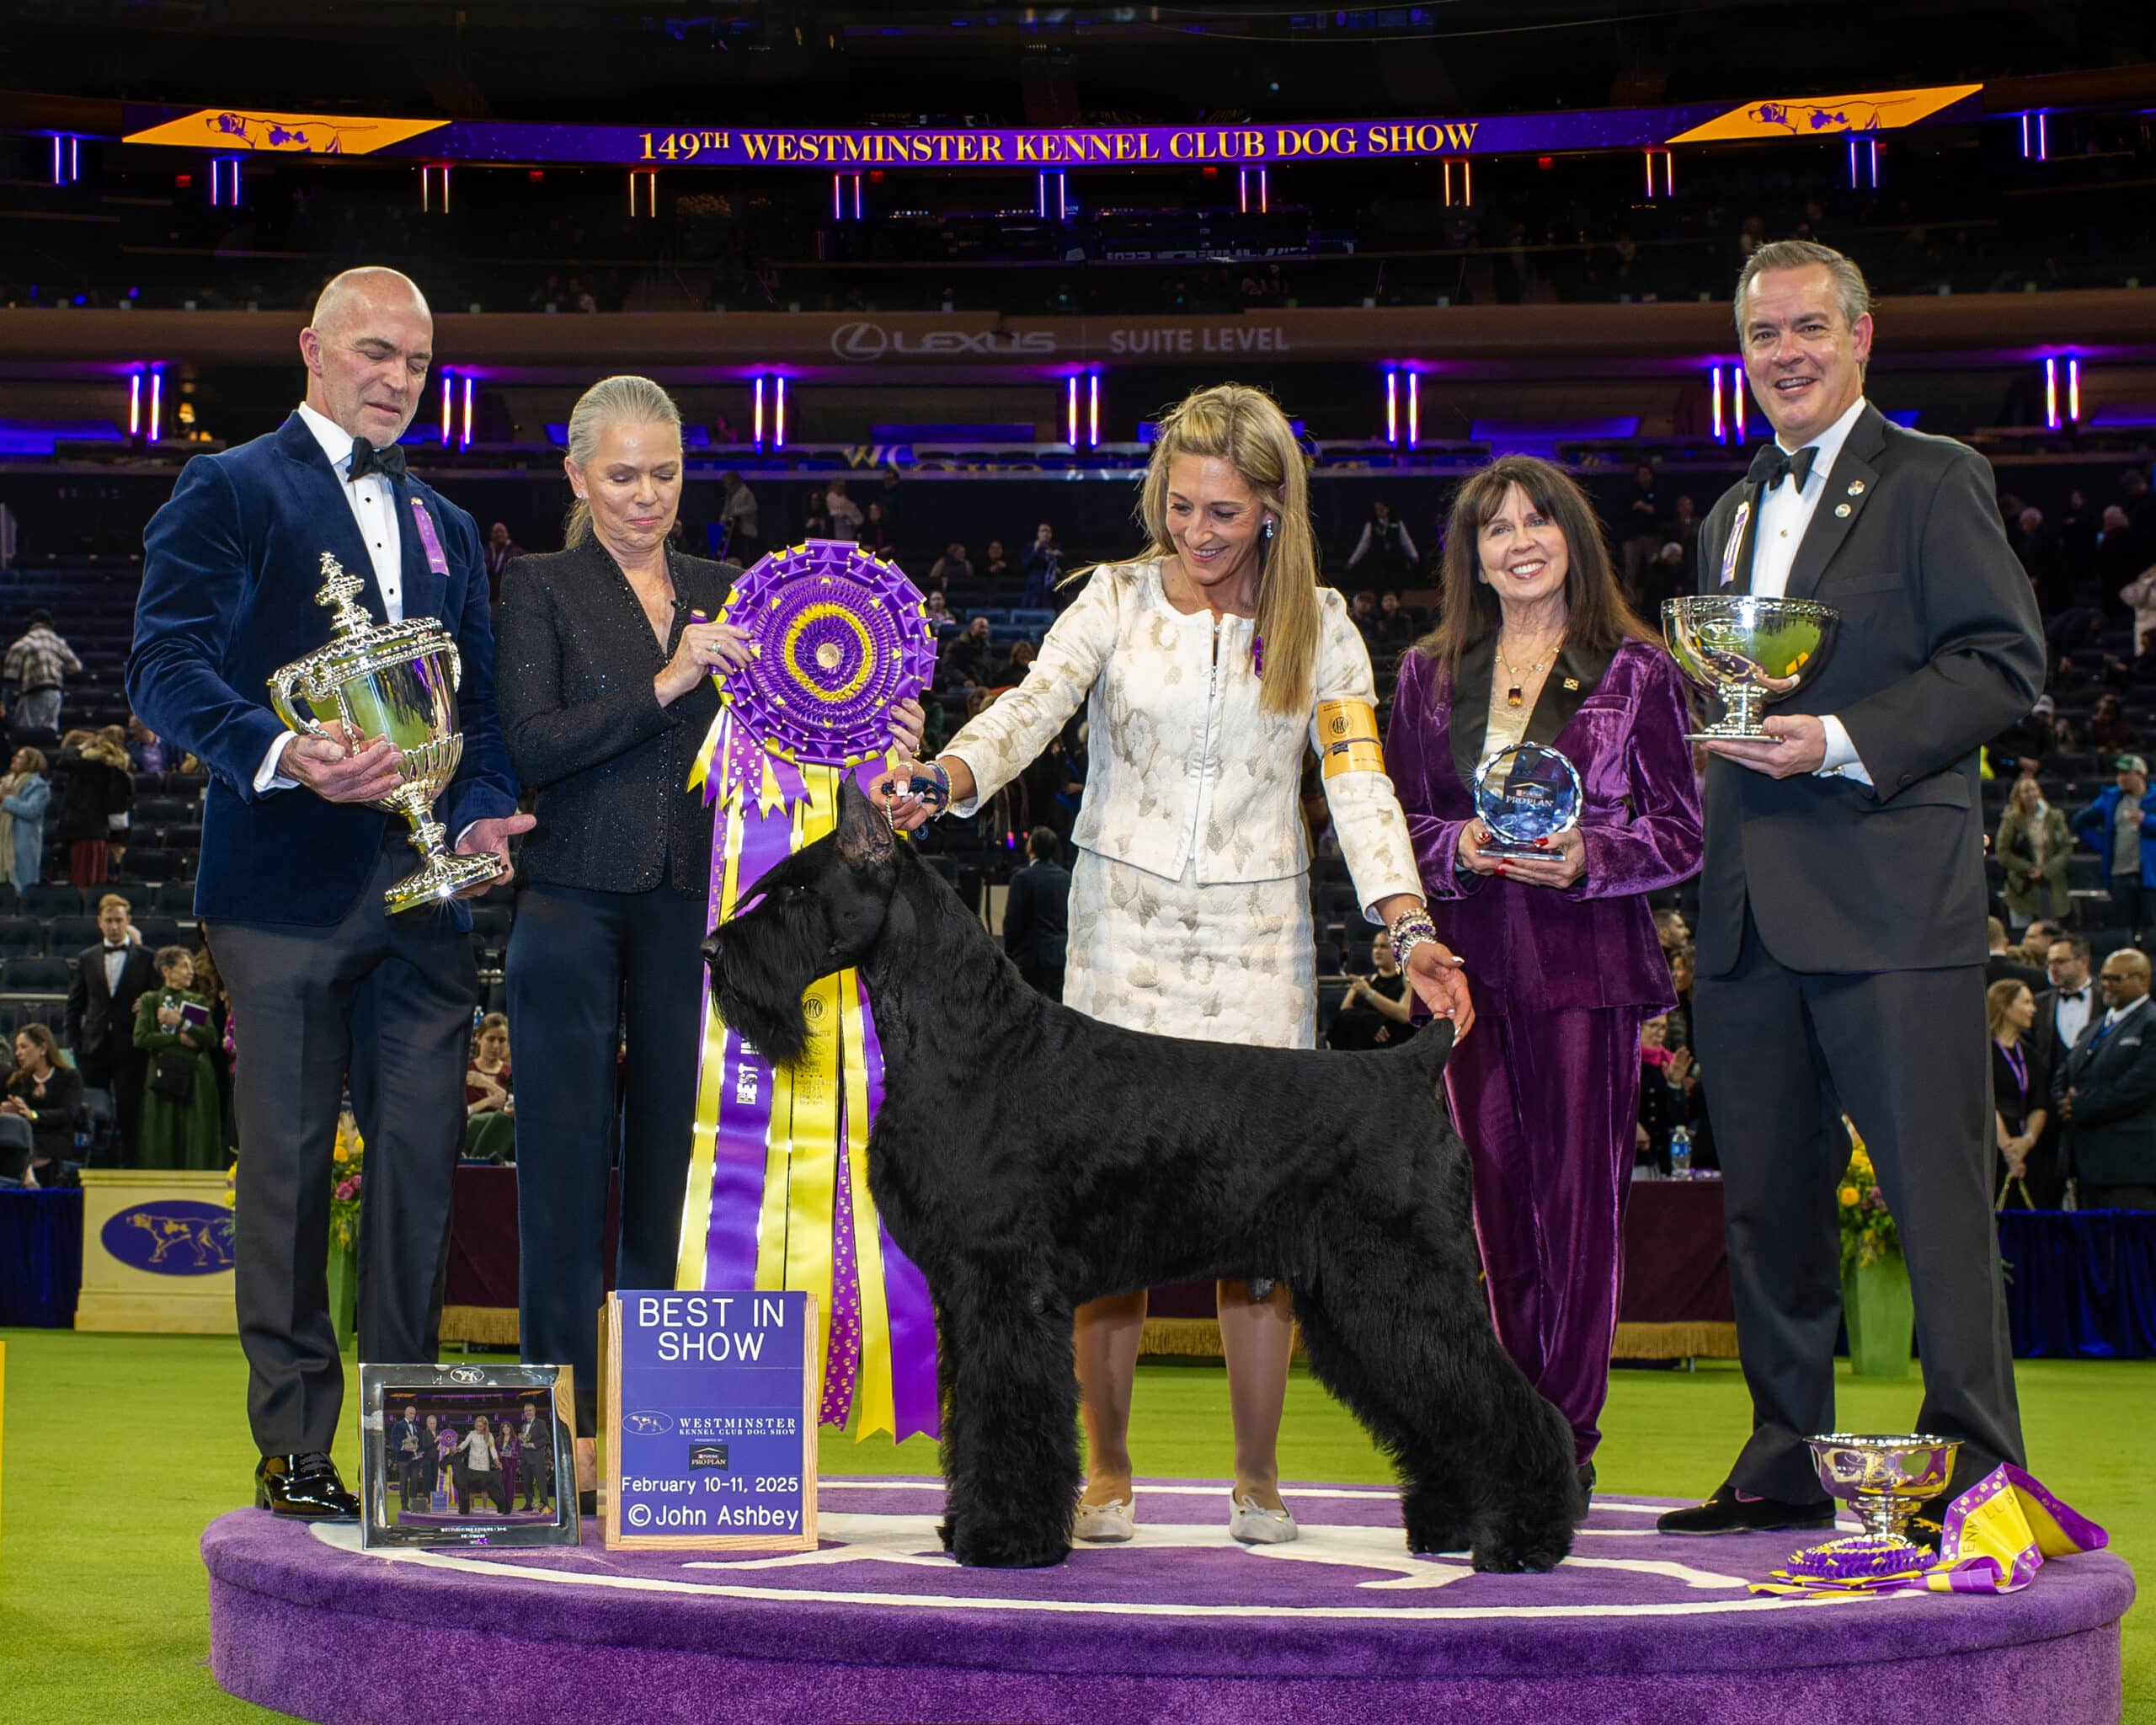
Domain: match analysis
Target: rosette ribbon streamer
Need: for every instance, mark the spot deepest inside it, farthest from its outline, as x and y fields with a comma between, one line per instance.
x=778, y=1170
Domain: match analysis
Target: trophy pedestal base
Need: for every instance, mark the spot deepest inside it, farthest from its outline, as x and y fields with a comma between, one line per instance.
x=1729, y=734
x=445, y=875
x=1503, y=848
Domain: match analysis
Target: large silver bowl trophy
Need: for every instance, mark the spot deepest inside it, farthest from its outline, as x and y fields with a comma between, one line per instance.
x=1883, y=1478
x=1750, y=649
x=397, y=681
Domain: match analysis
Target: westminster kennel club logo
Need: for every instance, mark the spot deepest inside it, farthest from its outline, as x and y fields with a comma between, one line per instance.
x=172, y=1236
x=646, y=1423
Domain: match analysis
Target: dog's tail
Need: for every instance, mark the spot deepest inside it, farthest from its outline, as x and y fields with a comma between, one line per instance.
x=1434, y=1045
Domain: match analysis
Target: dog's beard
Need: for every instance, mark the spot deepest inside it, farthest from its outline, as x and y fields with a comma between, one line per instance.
x=759, y=995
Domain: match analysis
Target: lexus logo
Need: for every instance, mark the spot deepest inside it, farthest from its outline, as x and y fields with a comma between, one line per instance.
x=859, y=342
x=862, y=342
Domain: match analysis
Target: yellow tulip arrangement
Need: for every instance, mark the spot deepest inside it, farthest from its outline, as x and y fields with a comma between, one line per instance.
x=1868, y=1230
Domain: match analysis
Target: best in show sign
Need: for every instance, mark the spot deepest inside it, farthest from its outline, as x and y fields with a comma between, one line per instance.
x=711, y=1422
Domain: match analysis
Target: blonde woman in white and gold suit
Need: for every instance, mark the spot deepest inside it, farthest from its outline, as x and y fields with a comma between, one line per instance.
x=1207, y=665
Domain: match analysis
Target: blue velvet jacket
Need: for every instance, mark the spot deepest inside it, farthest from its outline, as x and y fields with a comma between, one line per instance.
x=231, y=566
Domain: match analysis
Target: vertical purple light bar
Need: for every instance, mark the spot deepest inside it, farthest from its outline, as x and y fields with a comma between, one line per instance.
x=134, y=404
x=1093, y=410
x=157, y=403
x=1414, y=408
x=757, y=424
x=2073, y=388
x=1392, y=406
x=445, y=420
x=778, y=420
x=856, y=197
x=1738, y=397
x=1264, y=193
x=1070, y=410
x=2051, y=395
x=1714, y=373
x=464, y=440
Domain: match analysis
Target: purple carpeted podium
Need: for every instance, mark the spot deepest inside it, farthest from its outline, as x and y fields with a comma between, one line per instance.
x=1179, y=1627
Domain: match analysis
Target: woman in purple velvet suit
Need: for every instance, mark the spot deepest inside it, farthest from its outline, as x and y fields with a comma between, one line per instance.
x=1538, y=645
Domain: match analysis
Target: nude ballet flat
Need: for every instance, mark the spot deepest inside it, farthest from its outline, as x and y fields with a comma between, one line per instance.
x=1251, y=1524
x=1105, y=1524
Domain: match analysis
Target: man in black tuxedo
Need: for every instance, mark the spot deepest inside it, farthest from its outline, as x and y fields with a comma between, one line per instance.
x=2000, y=965
x=326, y=986
x=2105, y=1093
x=110, y=978
x=1840, y=952
x=1037, y=916
x=2063, y=1011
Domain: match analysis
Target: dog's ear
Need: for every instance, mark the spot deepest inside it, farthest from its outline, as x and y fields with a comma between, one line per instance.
x=864, y=831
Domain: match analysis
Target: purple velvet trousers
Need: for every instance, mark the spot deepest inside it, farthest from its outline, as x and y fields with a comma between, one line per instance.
x=1548, y=1103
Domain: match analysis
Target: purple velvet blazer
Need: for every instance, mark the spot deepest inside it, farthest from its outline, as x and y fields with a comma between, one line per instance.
x=1620, y=719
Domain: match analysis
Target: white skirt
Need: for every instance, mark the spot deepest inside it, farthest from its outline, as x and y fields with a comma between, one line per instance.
x=1232, y=963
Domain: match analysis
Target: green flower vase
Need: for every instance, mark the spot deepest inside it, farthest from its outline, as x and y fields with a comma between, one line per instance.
x=1881, y=1315
x=344, y=1292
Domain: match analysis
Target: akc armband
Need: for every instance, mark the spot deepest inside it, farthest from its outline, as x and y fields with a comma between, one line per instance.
x=1348, y=738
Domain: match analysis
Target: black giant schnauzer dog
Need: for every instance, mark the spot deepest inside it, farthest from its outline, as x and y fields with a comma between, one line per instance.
x=1028, y=1158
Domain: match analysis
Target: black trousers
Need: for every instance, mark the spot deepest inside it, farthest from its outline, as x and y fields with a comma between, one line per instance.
x=576, y=958
x=385, y=1003
x=1906, y=1054
x=2133, y=905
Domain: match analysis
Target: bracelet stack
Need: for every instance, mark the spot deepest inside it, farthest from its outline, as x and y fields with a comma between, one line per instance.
x=1410, y=930
x=931, y=784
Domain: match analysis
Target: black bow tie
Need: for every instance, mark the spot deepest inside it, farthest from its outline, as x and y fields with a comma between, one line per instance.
x=121, y=947
x=1771, y=466
x=2073, y=994
x=367, y=459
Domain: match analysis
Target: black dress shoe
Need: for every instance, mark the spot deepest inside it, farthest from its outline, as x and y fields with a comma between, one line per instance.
x=1586, y=1489
x=306, y=1486
x=1726, y=1512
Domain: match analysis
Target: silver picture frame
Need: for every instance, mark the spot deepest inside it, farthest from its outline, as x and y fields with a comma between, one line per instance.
x=428, y=1487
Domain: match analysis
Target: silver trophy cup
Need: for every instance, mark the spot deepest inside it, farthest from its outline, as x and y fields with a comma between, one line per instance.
x=1750, y=649
x=397, y=681
x=1883, y=1478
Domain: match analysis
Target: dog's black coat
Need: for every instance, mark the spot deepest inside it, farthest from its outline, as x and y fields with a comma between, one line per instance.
x=1028, y=1158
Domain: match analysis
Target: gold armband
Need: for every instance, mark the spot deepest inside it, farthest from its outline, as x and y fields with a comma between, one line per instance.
x=1347, y=737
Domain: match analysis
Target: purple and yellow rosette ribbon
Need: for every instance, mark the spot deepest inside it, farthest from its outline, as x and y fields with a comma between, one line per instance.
x=778, y=1170
x=1994, y=1539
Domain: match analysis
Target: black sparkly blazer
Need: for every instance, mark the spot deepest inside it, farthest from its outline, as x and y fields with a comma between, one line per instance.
x=575, y=657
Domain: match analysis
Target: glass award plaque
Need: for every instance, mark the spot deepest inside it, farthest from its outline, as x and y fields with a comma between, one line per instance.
x=1524, y=794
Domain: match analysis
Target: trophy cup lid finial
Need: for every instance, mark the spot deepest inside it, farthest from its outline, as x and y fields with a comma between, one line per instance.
x=343, y=591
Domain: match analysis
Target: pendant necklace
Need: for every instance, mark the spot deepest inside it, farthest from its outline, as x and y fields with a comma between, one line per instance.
x=1516, y=690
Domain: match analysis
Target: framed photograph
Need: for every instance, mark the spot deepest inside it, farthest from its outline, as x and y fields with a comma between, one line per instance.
x=467, y=1455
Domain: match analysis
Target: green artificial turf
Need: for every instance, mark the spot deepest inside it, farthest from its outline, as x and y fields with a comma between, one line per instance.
x=118, y=1449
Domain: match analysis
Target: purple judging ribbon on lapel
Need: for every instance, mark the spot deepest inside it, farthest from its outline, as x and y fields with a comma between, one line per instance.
x=429, y=539
x=1736, y=541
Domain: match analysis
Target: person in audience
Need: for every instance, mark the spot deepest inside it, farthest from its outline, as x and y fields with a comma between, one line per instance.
x=1362, y=612
x=87, y=775
x=2000, y=965
x=1664, y=1100
x=1384, y=543
x=970, y=661
x=845, y=513
x=816, y=523
x=995, y=566
x=295, y=860
x=1670, y=931
x=2020, y=1089
x=950, y=567
x=2116, y=826
x=2139, y=595
x=1043, y=567
x=937, y=613
x=490, y=1102
x=110, y=979
x=1677, y=1026
x=1396, y=627
x=1376, y=1012
x=1163, y=903
x=876, y=530
x=24, y=793
x=607, y=651
x=120, y=798
x=1843, y=893
x=1536, y=644
x=501, y=551
x=1015, y=663
x=745, y=541
x=34, y=673
x=1036, y=914
x=2108, y=730
x=2032, y=846
x=182, y=1125
x=2105, y=1092
x=49, y=1095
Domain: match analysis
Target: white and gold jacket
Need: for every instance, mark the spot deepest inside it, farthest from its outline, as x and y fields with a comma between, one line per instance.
x=1183, y=762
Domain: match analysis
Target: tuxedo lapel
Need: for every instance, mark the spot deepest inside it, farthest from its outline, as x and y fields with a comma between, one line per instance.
x=329, y=512
x=1572, y=680
x=1467, y=720
x=1853, y=483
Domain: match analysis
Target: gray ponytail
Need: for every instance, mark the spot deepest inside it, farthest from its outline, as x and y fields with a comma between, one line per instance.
x=611, y=401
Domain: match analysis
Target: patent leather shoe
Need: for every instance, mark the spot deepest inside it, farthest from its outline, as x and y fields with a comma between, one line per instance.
x=306, y=1486
x=1727, y=1512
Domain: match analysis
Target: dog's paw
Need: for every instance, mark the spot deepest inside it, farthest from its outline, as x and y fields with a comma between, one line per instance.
x=1438, y=1541
x=1510, y=1553
x=1008, y=1548
x=947, y=1533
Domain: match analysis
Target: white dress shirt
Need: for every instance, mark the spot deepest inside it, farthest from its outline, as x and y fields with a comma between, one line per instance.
x=1785, y=512
x=115, y=961
x=2112, y=1018
x=2070, y=1018
x=373, y=500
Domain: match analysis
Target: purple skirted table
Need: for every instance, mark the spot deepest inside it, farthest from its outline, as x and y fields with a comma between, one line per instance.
x=1180, y=1626
x=479, y=1299
x=40, y=1257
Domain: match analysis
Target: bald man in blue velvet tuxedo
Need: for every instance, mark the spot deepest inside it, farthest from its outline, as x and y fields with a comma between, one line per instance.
x=326, y=987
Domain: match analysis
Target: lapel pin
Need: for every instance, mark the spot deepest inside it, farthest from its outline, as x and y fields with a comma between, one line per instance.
x=1571, y=682
x=1841, y=509
x=1856, y=487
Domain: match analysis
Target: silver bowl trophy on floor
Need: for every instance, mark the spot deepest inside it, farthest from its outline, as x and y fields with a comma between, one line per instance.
x=1750, y=649
x=397, y=681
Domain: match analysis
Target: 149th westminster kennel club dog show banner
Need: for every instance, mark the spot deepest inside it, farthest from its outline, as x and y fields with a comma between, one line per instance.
x=778, y=1174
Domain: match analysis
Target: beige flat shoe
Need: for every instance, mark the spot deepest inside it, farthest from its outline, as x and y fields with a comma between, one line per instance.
x=1105, y=1524
x=1251, y=1524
